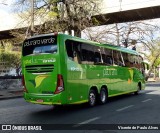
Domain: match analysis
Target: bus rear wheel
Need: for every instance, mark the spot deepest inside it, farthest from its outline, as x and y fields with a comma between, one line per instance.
x=103, y=96
x=138, y=89
x=92, y=98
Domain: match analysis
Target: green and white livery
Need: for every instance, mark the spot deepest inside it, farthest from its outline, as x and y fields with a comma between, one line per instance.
x=60, y=69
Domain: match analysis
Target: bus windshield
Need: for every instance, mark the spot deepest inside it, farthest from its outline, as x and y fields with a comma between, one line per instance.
x=41, y=45
x=45, y=49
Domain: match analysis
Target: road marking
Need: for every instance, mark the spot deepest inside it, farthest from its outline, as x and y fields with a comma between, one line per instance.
x=146, y=100
x=121, y=109
x=153, y=92
x=87, y=121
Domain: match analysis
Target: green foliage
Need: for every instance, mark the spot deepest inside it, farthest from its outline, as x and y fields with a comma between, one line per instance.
x=157, y=62
x=52, y=14
x=60, y=15
x=12, y=59
x=95, y=21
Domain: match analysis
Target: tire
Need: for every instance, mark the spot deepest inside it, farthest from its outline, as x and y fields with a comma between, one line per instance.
x=92, y=98
x=103, y=96
x=138, y=90
x=55, y=107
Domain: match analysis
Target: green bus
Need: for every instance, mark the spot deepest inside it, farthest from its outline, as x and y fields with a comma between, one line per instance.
x=60, y=69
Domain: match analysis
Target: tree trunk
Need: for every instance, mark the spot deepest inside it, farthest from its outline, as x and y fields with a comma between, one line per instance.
x=77, y=32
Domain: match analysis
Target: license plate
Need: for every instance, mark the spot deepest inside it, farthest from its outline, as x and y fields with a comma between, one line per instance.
x=40, y=100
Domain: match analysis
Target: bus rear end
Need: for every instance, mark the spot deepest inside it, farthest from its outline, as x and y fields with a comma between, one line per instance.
x=42, y=81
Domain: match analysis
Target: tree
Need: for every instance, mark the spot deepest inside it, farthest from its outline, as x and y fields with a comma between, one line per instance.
x=61, y=15
x=9, y=56
x=54, y=15
x=68, y=15
x=124, y=34
x=140, y=33
x=153, y=54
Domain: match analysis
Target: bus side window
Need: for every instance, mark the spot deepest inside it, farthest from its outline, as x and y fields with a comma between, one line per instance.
x=97, y=58
x=117, y=58
x=69, y=49
x=76, y=55
x=87, y=53
x=84, y=54
x=130, y=60
x=73, y=51
x=107, y=57
x=109, y=60
x=127, y=63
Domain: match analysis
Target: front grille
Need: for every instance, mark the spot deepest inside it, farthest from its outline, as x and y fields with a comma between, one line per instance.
x=39, y=68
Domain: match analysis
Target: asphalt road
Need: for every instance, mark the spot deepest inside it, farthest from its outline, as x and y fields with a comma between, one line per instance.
x=128, y=109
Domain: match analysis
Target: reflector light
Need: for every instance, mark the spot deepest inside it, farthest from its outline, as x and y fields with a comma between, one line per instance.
x=60, y=84
x=23, y=83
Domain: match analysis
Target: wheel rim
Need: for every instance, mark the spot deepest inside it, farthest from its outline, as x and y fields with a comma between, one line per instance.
x=92, y=98
x=103, y=96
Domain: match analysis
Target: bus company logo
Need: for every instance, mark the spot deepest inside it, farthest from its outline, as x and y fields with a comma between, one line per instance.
x=38, y=69
x=49, y=60
x=76, y=69
x=27, y=61
x=38, y=80
x=39, y=41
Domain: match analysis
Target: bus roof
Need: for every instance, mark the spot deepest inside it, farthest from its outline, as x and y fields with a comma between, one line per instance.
x=122, y=49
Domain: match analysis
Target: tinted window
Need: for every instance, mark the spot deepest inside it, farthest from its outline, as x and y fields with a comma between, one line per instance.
x=40, y=45
x=45, y=49
x=73, y=50
x=85, y=53
x=117, y=58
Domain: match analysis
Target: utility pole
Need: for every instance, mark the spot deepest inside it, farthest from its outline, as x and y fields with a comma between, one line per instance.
x=120, y=5
x=32, y=17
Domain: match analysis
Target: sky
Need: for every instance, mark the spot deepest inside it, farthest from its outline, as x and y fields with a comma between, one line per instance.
x=7, y=20
x=6, y=5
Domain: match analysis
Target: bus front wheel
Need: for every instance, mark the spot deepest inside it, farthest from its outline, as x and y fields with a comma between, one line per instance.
x=92, y=97
x=103, y=96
